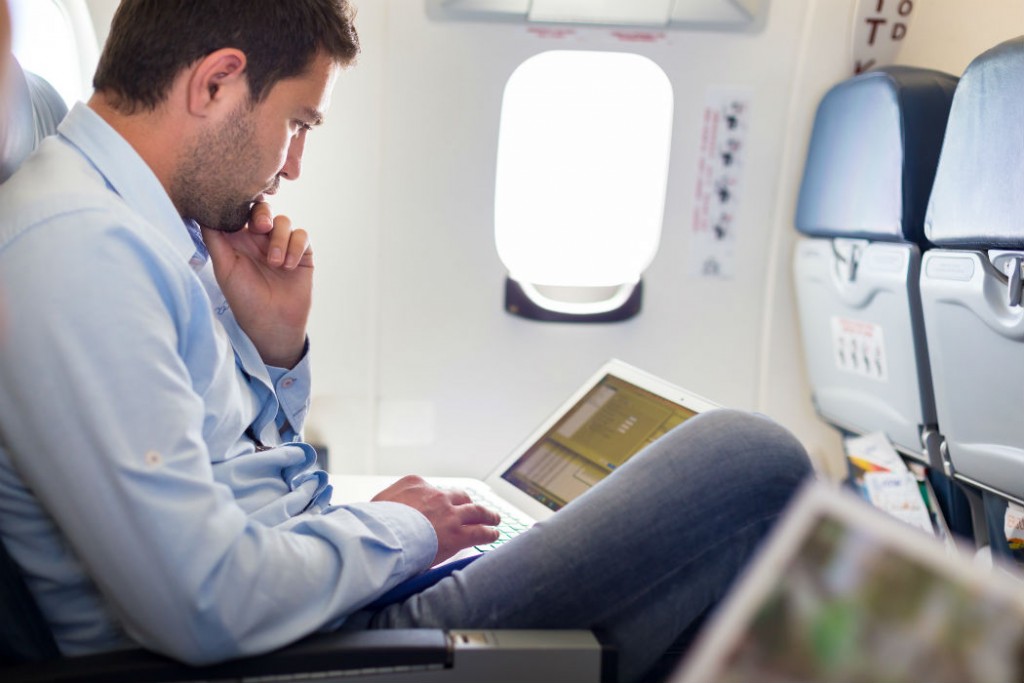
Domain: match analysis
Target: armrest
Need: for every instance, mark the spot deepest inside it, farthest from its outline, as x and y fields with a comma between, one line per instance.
x=384, y=656
x=342, y=652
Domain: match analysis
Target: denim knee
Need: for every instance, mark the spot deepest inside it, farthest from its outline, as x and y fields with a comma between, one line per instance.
x=747, y=455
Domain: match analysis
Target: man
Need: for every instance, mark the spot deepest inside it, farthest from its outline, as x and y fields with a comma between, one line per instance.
x=151, y=394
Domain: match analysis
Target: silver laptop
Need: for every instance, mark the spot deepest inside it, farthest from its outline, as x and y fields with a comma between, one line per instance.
x=617, y=412
x=843, y=592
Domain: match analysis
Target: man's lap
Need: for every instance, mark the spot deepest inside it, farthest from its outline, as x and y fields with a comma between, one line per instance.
x=675, y=524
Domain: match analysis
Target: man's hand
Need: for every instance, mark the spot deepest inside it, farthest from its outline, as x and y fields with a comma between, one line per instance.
x=457, y=520
x=266, y=273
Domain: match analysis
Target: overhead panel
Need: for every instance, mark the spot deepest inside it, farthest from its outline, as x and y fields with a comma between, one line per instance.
x=634, y=12
x=497, y=7
x=728, y=15
x=726, y=11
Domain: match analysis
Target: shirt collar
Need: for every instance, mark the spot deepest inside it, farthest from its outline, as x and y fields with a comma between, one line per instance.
x=126, y=174
x=201, y=255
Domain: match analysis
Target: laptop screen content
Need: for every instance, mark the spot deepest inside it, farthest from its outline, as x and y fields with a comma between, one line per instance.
x=611, y=423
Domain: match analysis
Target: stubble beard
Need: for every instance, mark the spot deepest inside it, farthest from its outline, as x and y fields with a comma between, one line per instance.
x=204, y=188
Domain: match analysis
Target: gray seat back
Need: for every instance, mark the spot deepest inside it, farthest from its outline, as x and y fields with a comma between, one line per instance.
x=971, y=281
x=31, y=111
x=870, y=165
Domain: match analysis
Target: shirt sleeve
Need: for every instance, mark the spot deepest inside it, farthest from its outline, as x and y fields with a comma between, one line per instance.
x=292, y=388
x=106, y=368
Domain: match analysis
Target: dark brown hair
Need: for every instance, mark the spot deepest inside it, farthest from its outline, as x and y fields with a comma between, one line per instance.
x=151, y=41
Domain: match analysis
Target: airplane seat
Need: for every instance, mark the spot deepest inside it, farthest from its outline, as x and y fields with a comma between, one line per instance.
x=34, y=110
x=971, y=280
x=870, y=163
x=29, y=652
x=24, y=634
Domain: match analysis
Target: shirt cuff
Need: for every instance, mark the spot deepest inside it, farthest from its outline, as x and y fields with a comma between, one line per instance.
x=293, y=388
x=414, y=532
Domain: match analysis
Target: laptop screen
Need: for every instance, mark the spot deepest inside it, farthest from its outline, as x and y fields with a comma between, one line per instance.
x=611, y=423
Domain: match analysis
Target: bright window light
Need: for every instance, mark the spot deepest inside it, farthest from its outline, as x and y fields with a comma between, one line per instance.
x=583, y=155
x=54, y=39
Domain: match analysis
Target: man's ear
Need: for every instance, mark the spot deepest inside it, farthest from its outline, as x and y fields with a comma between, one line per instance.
x=217, y=79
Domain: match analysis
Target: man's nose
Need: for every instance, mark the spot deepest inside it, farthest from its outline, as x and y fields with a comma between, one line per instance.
x=293, y=162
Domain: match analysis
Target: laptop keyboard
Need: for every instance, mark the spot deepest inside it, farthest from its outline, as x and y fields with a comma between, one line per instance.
x=512, y=523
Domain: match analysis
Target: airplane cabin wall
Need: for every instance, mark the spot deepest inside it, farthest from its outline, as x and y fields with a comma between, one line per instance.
x=417, y=366
x=425, y=371
x=428, y=373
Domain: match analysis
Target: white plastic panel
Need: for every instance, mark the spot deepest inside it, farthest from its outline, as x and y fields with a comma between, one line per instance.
x=867, y=370
x=711, y=14
x=495, y=7
x=733, y=11
x=639, y=12
x=976, y=344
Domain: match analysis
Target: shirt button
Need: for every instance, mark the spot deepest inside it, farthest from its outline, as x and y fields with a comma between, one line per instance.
x=287, y=382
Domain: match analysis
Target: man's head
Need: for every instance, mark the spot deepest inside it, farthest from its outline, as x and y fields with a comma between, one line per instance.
x=218, y=95
x=151, y=41
x=242, y=157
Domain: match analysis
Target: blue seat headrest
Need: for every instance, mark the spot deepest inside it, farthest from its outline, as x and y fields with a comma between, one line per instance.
x=978, y=196
x=873, y=153
x=34, y=109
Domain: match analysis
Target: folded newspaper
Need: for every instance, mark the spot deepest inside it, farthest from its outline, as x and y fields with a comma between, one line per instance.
x=886, y=481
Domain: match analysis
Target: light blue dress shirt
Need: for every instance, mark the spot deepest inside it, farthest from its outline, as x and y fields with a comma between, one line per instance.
x=130, y=494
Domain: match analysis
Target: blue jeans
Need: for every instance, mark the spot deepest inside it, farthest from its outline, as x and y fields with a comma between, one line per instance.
x=640, y=556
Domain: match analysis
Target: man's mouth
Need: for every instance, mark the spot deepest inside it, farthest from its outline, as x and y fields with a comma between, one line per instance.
x=271, y=189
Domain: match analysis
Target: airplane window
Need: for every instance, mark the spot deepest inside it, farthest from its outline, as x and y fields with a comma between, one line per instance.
x=583, y=156
x=55, y=39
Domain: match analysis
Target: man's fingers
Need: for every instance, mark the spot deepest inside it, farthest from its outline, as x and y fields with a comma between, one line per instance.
x=479, y=535
x=458, y=522
x=220, y=251
x=261, y=218
x=458, y=497
x=280, y=238
x=298, y=250
x=288, y=248
x=477, y=514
